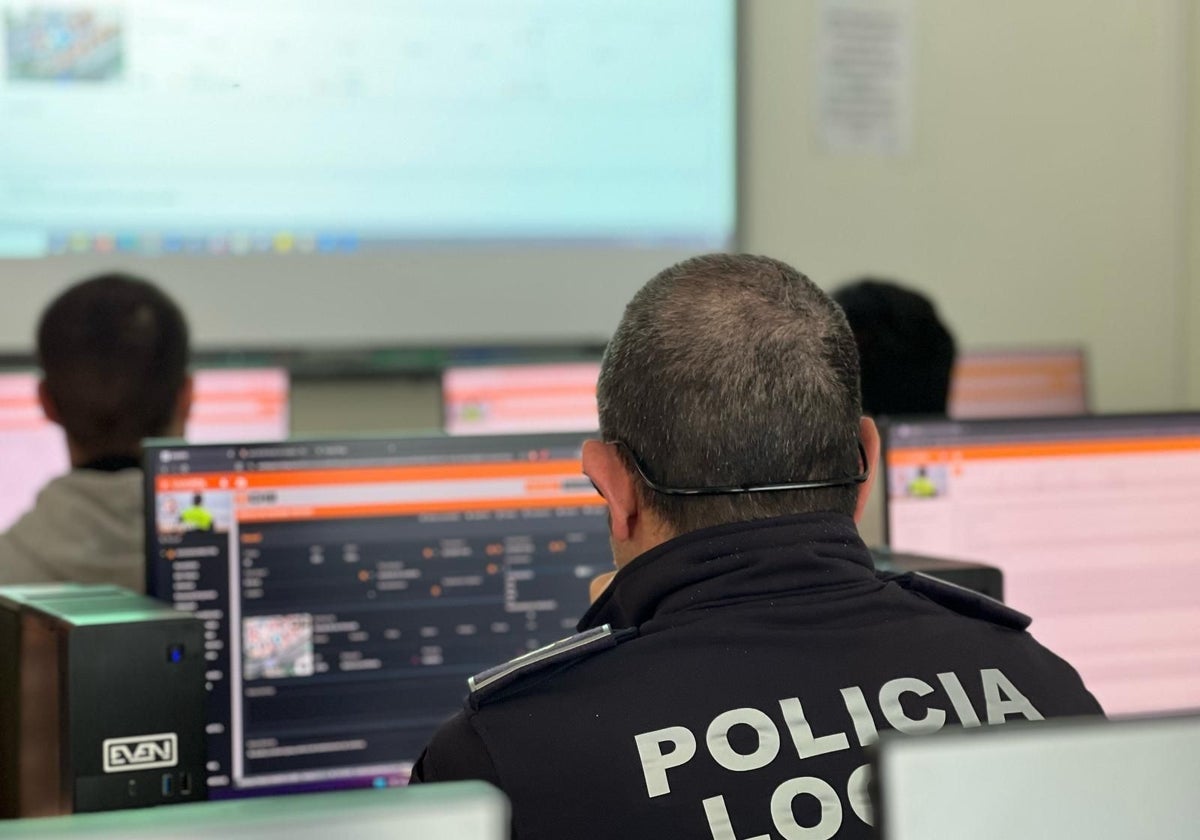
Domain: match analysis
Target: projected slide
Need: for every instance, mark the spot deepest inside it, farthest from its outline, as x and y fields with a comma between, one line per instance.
x=315, y=126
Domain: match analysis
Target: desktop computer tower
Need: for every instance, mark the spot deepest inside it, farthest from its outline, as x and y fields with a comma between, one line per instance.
x=101, y=701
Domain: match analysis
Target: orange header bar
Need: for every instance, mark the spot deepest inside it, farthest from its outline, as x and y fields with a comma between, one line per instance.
x=285, y=512
x=1050, y=449
x=1035, y=368
x=495, y=395
x=364, y=475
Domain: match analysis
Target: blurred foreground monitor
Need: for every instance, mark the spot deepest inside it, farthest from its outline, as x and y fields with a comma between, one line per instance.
x=1095, y=779
x=453, y=811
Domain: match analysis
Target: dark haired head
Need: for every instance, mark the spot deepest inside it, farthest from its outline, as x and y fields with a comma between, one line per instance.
x=114, y=357
x=731, y=370
x=907, y=353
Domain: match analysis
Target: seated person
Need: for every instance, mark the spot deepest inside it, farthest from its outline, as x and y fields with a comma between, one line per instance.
x=114, y=353
x=905, y=351
x=732, y=669
x=907, y=357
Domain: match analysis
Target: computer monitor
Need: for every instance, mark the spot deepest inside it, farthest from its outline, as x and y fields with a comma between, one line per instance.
x=233, y=404
x=1103, y=780
x=1095, y=523
x=1033, y=382
x=351, y=587
x=448, y=811
x=506, y=399
x=240, y=404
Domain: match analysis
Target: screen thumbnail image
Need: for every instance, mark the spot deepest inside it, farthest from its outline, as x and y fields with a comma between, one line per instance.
x=920, y=481
x=277, y=646
x=185, y=511
x=63, y=43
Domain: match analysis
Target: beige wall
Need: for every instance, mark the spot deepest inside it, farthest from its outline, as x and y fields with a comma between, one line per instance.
x=1046, y=197
x=366, y=405
x=1042, y=200
x=1192, y=219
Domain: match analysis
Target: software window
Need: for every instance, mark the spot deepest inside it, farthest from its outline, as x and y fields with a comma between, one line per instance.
x=1094, y=524
x=350, y=588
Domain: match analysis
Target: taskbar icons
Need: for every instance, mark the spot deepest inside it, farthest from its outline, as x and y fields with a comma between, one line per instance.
x=78, y=243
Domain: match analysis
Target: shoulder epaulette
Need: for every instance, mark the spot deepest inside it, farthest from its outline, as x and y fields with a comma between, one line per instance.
x=961, y=600
x=487, y=684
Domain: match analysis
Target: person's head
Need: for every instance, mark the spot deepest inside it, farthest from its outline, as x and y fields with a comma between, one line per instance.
x=114, y=355
x=197, y=500
x=727, y=370
x=907, y=353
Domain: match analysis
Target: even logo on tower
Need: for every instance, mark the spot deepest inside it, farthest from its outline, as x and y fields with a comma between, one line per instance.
x=141, y=752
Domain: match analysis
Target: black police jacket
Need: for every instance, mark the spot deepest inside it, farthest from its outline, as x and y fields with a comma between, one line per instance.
x=725, y=684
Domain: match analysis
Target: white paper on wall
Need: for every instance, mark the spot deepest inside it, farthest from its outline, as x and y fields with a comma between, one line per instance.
x=864, y=77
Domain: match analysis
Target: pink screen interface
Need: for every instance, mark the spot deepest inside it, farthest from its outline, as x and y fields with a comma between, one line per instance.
x=521, y=398
x=240, y=405
x=1019, y=383
x=1098, y=537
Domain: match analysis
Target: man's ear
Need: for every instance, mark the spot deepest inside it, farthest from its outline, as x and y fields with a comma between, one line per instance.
x=869, y=435
x=49, y=407
x=602, y=463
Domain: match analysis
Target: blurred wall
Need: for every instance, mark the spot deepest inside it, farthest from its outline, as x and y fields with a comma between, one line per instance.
x=1193, y=216
x=409, y=404
x=1047, y=196
x=1043, y=198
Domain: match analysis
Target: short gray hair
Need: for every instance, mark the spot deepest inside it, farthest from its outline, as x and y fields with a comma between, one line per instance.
x=734, y=369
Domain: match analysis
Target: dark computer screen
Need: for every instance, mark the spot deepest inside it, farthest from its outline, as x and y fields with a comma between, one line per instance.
x=350, y=587
x=1093, y=521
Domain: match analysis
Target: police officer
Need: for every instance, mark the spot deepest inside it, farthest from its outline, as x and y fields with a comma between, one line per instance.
x=197, y=517
x=729, y=674
x=922, y=486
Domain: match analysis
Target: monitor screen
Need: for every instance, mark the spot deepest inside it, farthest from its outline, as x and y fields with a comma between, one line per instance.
x=520, y=398
x=228, y=405
x=1047, y=382
x=1093, y=522
x=1101, y=780
x=351, y=587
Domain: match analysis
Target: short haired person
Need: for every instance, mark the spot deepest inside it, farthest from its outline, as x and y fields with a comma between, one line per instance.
x=728, y=676
x=906, y=352
x=114, y=356
x=906, y=356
